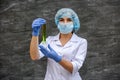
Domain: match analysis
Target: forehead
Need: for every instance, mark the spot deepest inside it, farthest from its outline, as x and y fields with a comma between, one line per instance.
x=65, y=18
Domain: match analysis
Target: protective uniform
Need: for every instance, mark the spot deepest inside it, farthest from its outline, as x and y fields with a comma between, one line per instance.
x=74, y=51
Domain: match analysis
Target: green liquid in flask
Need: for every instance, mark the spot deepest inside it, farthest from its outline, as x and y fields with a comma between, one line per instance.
x=44, y=33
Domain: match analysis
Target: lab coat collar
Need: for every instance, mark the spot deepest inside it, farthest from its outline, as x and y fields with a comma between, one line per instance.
x=74, y=38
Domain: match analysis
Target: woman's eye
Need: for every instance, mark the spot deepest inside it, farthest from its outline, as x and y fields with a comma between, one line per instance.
x=69, y=20
x=65, y=20
x=61, y=20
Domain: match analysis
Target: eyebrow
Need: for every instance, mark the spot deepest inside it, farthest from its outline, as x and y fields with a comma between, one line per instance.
x=67, y=18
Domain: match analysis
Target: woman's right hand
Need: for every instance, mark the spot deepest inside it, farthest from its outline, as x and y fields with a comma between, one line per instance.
x=36, y=25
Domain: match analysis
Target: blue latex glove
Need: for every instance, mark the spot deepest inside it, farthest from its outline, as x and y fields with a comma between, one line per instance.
x=36, y=25
x=50, y=53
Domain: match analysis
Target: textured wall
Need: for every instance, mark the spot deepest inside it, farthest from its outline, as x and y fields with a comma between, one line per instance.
x=100, y=25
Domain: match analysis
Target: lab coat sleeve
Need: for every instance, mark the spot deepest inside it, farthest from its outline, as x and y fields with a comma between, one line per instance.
x=40, y=53
x=79, y=58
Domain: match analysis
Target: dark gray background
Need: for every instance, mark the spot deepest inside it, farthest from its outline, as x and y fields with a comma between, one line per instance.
x=100, y=25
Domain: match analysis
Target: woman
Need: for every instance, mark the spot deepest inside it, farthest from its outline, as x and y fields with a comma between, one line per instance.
x=65, y=52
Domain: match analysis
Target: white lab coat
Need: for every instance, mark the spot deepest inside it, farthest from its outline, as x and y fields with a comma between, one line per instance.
x=74, y=51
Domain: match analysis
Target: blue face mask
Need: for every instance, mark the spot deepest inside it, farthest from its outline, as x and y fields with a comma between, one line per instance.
x=65, y=28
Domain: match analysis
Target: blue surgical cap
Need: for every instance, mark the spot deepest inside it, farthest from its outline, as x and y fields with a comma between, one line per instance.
x=67, y=12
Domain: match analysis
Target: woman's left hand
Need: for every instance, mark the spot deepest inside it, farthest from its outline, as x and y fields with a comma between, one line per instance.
x=50, y=53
